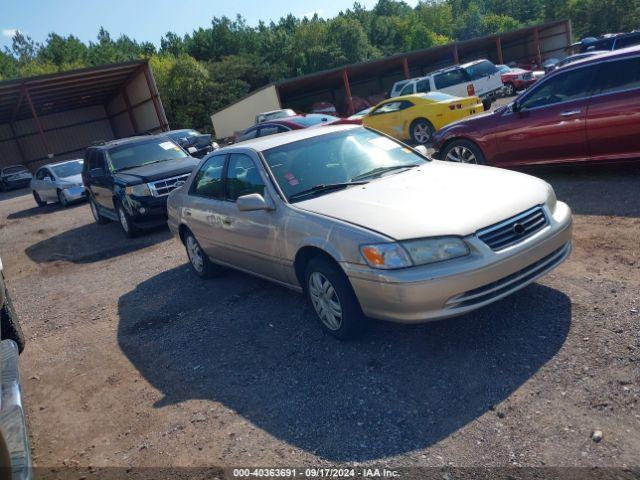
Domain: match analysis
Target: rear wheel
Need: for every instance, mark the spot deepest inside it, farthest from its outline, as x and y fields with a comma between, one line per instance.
x=421, y=131
x=62, y=198
x=198, y=260
x=9, y=325
x=330, y=293
x=39, y=201
x=99, y=219
x=463, y=151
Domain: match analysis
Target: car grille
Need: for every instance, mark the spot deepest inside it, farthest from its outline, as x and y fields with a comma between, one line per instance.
x=514, y=230
x=511, y=282
x=527, y=76
x=164, y=187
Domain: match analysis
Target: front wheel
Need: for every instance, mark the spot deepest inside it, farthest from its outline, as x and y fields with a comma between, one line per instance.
x=509, y=90
x=127, y=225
x=39, y=201
x=62, y=198
x=333, y=300
x=198, y=260
x=9, y=325
x=99, y=219
x=486, y=104
x=463, y=151
x=421, y=131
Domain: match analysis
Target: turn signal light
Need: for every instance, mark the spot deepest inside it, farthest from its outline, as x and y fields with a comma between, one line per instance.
x=470, y=90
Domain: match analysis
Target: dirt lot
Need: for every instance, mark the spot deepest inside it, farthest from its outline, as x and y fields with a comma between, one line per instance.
x=133, y=361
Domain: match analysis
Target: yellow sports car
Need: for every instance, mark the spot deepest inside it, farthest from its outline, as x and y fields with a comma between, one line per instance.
x=418, y=116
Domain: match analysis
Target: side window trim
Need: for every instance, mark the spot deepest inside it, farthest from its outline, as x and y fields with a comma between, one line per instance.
x=597, y=92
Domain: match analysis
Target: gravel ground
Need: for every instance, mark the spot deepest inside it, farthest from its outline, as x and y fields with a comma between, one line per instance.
x=133, y=361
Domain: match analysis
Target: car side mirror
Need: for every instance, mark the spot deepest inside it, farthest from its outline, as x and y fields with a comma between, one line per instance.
x=97, y=172
x=422, y=150
x=252, y=202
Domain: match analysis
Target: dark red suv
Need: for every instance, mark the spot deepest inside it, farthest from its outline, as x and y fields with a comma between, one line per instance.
x=587, y=111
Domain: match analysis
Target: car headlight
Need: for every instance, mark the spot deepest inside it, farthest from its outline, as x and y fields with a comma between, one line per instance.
x=414, y=252
x=141, y=190
x=385, y=255
x=431, y=250
x=551, y=198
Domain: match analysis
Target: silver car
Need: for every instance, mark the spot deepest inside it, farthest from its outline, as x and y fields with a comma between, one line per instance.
x=368, y=227
x=59, y=182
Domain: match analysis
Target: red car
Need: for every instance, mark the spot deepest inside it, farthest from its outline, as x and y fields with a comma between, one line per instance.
x=515, y=79
x=586, y=111
x=296, y=122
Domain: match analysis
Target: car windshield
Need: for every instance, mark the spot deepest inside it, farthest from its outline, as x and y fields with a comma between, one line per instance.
x=68, y=169
x=337, y=157
x=143, y=153
x=16, y=169
x=504, y=69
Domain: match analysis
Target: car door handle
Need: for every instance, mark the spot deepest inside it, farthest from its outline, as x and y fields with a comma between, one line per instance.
x=187, y=212
x=569, y=113
x=226, y=221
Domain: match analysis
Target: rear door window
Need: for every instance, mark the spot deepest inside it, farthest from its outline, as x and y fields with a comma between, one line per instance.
x=243, y=177
x=449, y=78
x=269, y=130
x=629, y=41
x=618, y=76
x=423, y=86
x=392, y=107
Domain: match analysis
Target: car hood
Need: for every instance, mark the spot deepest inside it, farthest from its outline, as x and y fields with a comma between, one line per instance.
x=158, y=171
x=75, y=179
x=438, y=198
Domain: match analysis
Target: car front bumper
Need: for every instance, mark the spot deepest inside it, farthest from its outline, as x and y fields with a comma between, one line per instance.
x=75, y=194
x=455, y=287
x=147, y=212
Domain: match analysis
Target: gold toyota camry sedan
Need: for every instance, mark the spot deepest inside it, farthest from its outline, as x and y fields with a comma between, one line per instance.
x=368, y=227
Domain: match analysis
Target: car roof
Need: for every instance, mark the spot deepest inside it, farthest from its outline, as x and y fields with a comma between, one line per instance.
x=261, y=144
x=606, y=55
x=12, y=166
x=132, y=140
x=55, y=164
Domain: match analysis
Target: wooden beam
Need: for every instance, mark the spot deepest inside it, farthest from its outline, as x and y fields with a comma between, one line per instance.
x=47, y=149
x=132, y=117
x=536, y=40
x=17, y=107
x=456, y=58
x=405, y=68
x=499, y=49
x=347, y=91
x=164, y=126
x=15, y=138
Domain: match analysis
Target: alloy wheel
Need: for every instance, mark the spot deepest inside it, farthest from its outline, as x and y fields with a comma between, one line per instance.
x=422, y=133
x=62, y=199
x=123, y=220
x=325, y=301
x=461, y=155
x=195, y=254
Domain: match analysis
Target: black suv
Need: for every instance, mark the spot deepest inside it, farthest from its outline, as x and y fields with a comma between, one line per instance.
x=128, y=180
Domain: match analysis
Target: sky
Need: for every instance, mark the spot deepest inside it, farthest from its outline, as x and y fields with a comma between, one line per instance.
x=146, y=20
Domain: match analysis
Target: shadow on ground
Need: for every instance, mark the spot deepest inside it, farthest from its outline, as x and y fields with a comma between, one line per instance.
x=9, y=194
x=256, y=348
x=93, y=243
x=47, y=209
x=596, y=190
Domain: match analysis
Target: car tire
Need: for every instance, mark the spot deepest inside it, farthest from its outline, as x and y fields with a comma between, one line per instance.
x=421, y=131
x=39, y=201
x=463, y=151
x=486, y=104
x=333, y=300
x=509, y=89
x=124, y=219
x=198, y=260
x=9, y=324
x=62, y=199
x=99, y=219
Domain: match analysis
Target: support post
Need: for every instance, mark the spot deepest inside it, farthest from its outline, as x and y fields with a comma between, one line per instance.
x=127, y=103
x=536, y=40
x=347, y=91
x=499, y=48
x=23, y=159
x=164, y=126
x=405, y=68
x=47, y=150
x=456, y=58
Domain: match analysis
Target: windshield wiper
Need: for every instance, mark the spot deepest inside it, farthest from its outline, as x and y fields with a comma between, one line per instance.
x=381, y=170
x=323, y=187
x=144, y=164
